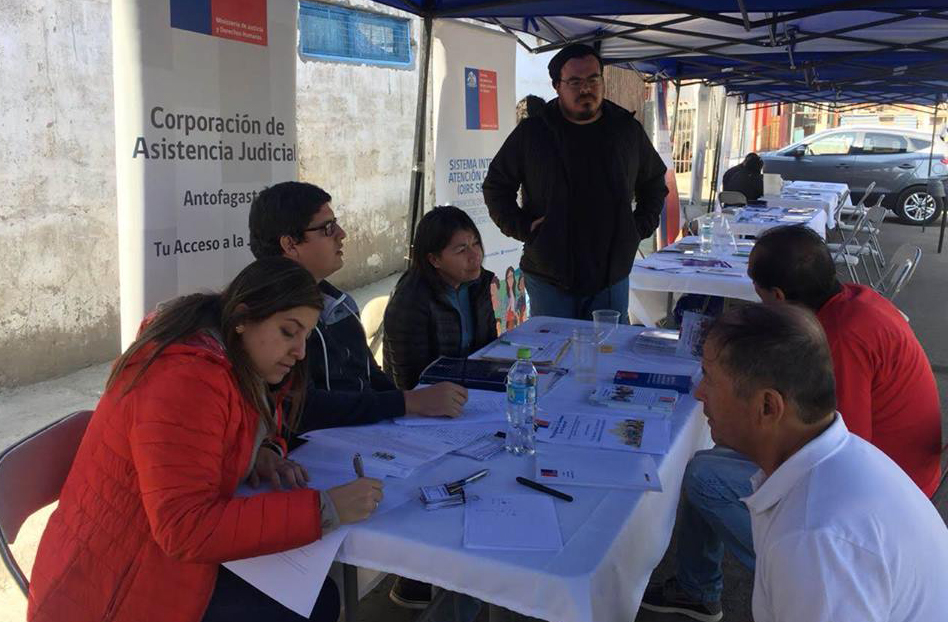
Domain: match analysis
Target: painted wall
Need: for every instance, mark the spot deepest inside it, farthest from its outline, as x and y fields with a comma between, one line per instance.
x=58, y=268
x=356, y=127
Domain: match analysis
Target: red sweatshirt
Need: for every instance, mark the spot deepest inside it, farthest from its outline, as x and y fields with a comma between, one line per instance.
x=885, y=388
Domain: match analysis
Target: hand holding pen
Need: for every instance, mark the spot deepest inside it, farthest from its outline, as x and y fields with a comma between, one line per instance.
x=357, y=500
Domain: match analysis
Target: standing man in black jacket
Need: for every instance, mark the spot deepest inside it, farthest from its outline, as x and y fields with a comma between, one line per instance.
x=345, y=385
x=580, y=164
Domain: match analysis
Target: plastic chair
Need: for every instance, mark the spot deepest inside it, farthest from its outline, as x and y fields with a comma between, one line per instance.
x=32, y=473
x=902, y=266
x=732, y=197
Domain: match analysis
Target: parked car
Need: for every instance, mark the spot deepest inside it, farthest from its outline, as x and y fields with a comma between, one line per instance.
x=895, y=158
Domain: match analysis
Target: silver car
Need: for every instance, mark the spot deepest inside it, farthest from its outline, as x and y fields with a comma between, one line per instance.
x=896, y=159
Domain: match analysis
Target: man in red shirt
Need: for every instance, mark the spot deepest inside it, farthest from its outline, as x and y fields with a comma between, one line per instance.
x=885, y=392
x=885, y=388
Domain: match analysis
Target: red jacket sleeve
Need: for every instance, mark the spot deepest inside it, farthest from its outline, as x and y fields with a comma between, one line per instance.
x=854, y=369
x=182, y=419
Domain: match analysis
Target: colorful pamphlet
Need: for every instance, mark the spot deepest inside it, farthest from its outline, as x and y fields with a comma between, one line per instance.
x=679, y=383
x=641, y=399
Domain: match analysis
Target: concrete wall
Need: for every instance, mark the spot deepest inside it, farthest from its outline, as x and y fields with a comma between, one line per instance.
x=356, y=127
x=58, y=267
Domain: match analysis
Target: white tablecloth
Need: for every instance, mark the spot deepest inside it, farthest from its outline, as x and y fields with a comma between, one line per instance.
x=649, y=289
x=612, y=539
x=817, y=221
x=824, y=201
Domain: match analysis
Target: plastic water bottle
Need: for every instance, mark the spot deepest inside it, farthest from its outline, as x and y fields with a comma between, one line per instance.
x=521, y=405
x=705, y=234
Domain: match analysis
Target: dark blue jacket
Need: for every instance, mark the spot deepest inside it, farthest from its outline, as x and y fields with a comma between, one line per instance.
x=345, y=386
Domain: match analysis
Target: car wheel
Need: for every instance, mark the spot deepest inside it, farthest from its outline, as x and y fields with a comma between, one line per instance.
x=916, y=207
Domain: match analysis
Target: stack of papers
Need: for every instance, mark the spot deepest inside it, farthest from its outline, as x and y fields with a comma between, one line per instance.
x=481, y=407
x=575, y=466
x=545, y=348
x=524, y=522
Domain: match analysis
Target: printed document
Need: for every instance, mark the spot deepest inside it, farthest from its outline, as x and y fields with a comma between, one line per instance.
x=516, y=522
x=482, y=406
x=560, y=465
x=650, y=435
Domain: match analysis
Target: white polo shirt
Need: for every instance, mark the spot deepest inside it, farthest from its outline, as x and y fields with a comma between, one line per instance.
x=843, y=535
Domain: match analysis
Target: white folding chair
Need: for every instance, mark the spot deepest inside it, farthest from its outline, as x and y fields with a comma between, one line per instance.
x=32, y=473
x=865, y=243
x=838, y=212
x=732, y=198
x=841, y=253
x=847, y=211
x=902, y=266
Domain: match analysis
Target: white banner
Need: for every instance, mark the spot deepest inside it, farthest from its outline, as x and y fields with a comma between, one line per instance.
x=205, y=117
x=473, y=71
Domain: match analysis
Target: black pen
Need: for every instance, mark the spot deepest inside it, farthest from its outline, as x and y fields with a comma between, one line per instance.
x=529, y=483
x=461, y=483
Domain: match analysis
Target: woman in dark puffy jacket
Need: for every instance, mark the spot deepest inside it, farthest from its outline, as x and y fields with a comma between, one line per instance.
x=442, y=305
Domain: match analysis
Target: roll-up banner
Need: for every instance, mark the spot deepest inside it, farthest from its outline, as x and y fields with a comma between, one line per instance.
x=474, y=110
x=205, y=105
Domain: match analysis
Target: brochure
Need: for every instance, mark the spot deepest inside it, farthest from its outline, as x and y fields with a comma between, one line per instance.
x=626, y=397
x=650, y=435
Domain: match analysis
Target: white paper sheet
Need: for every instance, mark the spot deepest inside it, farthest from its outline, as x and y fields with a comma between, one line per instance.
x=481, y=407
x=388, y=448
x=294, y=578
x=580, y=466
x=516, y=522
x=628, y=433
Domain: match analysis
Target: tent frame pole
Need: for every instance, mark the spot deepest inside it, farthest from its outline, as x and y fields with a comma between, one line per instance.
x=717, y=154
x=417, y=188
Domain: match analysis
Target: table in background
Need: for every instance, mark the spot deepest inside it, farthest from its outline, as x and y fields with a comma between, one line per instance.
x=613, y=539
x=754, y=228
x=649, y=289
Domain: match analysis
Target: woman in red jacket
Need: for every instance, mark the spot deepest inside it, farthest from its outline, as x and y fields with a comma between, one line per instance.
x=148, y=513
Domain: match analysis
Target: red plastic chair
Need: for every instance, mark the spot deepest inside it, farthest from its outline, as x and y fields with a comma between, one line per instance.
x=32, y=473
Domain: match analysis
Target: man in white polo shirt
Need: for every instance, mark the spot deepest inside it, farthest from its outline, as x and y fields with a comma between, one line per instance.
x=840, y=531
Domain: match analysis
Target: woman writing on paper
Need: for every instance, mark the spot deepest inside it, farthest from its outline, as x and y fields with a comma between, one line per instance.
x=442, y=305
x=192, y=408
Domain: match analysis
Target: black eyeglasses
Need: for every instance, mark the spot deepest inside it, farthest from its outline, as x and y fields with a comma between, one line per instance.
x=578, y=83
x=328, y=228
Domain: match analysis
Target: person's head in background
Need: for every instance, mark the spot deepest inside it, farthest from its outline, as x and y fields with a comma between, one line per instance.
x=767, y=385
x=792, y=263
x=576, y=72
x=529, y=106
x=295, y=219
x=447, y=249
x=262, y=318
x=753, y=163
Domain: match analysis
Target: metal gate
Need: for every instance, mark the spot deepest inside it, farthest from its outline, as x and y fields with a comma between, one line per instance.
x=684, y=134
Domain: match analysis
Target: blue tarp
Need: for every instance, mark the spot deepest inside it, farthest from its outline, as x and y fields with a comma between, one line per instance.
x=547, y=8
x=803, y=46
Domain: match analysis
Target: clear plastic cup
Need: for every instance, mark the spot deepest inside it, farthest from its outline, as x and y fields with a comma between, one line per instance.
x=585, y=355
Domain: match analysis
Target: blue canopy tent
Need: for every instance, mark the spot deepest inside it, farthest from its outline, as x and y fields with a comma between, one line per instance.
x=845, y=53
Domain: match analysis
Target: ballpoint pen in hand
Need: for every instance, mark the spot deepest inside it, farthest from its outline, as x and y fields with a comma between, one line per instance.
x=357, y=465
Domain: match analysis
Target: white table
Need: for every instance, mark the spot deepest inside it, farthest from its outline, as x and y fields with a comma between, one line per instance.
x=649, y=289
x=824, y=201
x=613, y=539
x=745, y=223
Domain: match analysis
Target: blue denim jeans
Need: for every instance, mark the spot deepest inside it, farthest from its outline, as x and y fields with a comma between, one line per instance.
x=548, y=299
x=713, y=517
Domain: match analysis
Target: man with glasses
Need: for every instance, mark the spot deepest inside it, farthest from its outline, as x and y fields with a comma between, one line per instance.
x=580, y=165
x=346, y=385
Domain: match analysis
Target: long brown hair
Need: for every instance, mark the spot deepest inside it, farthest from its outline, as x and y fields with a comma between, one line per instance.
x=267, y=286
